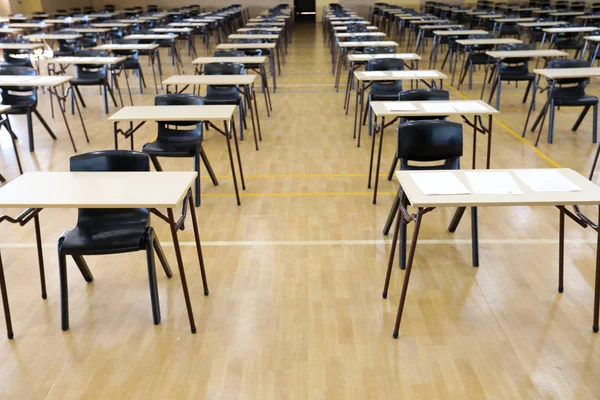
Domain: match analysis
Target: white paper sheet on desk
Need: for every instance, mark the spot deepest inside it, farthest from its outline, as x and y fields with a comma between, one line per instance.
x=468, y=106
x=399, y=106
x=484, y=182
x=361, y=56
x=403, y=74
x=426, y=74
x=373, y=74
x=546, y=180
x=438, y=108
x=439, y=183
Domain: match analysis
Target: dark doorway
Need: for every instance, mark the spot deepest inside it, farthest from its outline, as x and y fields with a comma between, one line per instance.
x=305, y=10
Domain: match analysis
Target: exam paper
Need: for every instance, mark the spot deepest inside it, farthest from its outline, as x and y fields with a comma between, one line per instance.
x=438, y=108
x=492, y=182
x=426, y=74
x=468, y=106
x=439, y=183
x=399, y=106
x=403, y=74
x=373, y=74
x=546, y=180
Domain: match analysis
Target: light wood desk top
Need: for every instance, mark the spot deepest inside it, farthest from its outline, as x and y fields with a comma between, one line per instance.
x=86, y=60
x=186, y=24
x=96, y=190
x=381, y=110
x=69, y=20
x=54, y=36
x=400, y=75
x=273, y=24
x=358, y=34
x=132, y=21
x=243, y=80
x=460, y=33
x=558, y=73
x=567, y=14
x=4, y=109
x=345, y=28
x=236, y=36
x=509, y=20
x=588, y=16
x=569, y=29
x=473, y=12
x=30, y=25
x=350, y=23
x=544, y=11
x=367, y=57
x=471, y=42
x=592, y=38
x=11, y=30
x=430, y=21
x=111, y=47
x=112, y=25
x=526, y=53
x=439, y=27
x=103, y=15
x=34, y=81
x=369, y=44
x=172, y=30
x=20, y=46
x=166, y=36
x=416, y=17
x=233, y=46
x=152, y=17
x=90, y=30
x=540, y=24
x=589, y=194
x=174, y=113
x=261, y=29
x=490, y=16
x=241, y=60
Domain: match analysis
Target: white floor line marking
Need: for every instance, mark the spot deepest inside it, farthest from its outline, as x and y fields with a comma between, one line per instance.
x=283, y=243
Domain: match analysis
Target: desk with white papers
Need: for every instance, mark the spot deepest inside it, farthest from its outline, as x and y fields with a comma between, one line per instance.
x=539, y=187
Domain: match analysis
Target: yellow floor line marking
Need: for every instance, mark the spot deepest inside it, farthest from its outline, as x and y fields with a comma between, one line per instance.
x=540, y=153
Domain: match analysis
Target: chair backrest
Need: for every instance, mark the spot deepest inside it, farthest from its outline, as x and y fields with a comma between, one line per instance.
x=430, y=141
x=379, y=50
x=108, y=161
x=222, y=68
x=22, y=92
x=19, y=57
x=90, y=71
x=385, y=64
x=191, y=136
x=573, y=87
x=229, y=53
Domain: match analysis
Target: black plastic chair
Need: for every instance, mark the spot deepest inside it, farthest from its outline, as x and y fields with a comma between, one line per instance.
x=23, y=100
x=16, y=57
x=91, y=75
x=180, y=142
x=570, y=93
x=219, y=94
x=421, y=143
x=512, y=70
x=418, y=95
x=475, y=56
x=383, y=91
x=132, y=63
x=102, y=231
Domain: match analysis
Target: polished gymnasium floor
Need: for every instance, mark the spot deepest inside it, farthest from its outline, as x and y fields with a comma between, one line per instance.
x=296, y=274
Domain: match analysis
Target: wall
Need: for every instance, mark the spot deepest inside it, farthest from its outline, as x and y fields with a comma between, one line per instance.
x=53, y=5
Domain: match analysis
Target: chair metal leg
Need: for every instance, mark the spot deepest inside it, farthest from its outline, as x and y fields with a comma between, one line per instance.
x=580, y=118
x=392, y=168
x=5, y=305
x=38, y=241
x=64, y=290
x=162, y=257
x=551, y=122
x=44, y=123
x=197, y=180
x=30, y=132
x=155, y=162
x=474, y=237
x=154, y=299
x=83, y=267
x=208, y=167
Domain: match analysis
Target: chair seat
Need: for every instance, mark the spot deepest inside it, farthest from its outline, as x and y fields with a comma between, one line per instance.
x=479, y=58
x=224, y=99
x=172, y=149
x=385, y=95
x=87, y=81
x=130, y=63
x=113, y=236
x=575, y=101
x=516, y=76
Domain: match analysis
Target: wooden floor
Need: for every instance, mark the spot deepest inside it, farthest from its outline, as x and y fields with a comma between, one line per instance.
x=296, y=274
